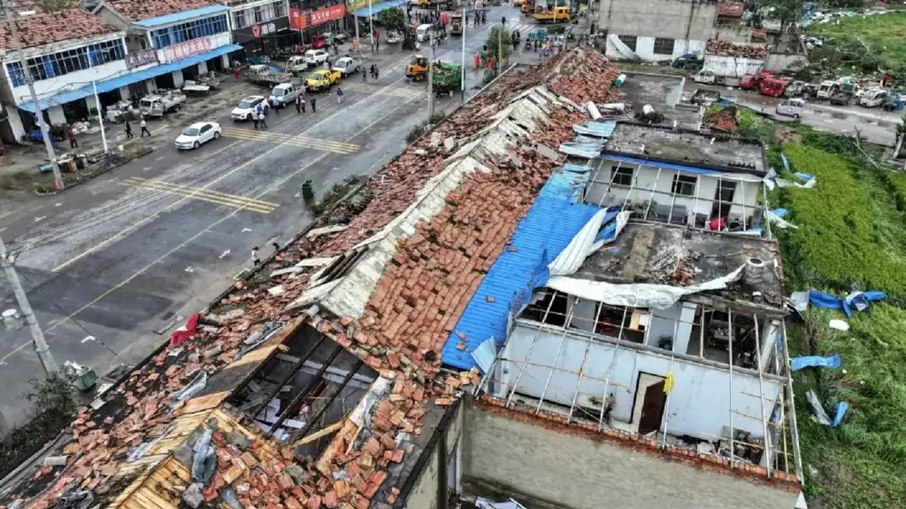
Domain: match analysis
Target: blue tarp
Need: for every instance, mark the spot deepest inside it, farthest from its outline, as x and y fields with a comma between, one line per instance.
x=661, y=164
x=858, y=301
x=831, y=361
x=786, y=162
x=181, y=16
x=547, y=228
x=130, y=78
x=378, y=7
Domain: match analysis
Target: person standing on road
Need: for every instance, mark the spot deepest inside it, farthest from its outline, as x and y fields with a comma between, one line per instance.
x=299, y=100
x=262, y=118
x=255, y=119
x=129, y=134
x=377, y=73
x=72, y=139
x=255, y=260
x=364, y=76
x=371, y=71
x=339, y=95
x=144, y=126
x=314, y=104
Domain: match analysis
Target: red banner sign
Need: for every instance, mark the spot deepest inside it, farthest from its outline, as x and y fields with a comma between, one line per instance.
x=297, y=19
x=328, y=14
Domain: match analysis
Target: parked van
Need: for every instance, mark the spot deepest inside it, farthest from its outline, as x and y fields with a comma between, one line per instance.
x=423, y=32
x=791, y=107
x=283, y=95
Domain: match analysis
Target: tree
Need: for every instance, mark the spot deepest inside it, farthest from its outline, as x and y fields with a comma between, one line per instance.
x=392, y=20
x=787, y=11
x=53, y=395
x=504, y=39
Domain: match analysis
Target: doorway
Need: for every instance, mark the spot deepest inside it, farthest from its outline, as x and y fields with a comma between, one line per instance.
x=649, y=403
x=723, y=198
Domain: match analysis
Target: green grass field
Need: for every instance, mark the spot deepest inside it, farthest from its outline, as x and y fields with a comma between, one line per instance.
x=884, y=35
x=852, y=231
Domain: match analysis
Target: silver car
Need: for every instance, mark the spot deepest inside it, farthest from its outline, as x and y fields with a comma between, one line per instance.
x=791, y=107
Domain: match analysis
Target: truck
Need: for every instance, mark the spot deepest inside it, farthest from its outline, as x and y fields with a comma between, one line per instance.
x=447, y=78
x=555, y=15
x=158, y=105
x=773, y=86
x=841, y=86
x=264, y=75
x=284, y=94
x=725, y=70
x=456, y=23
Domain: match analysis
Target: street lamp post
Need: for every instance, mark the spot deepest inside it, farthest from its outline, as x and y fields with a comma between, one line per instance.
x=431, y=79
x=462, y=87
x=45, y=130
x=37, y=335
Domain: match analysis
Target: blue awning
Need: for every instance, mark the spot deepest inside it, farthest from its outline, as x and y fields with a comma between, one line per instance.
x=130, y=78
x=181, y=16
x=376, y=8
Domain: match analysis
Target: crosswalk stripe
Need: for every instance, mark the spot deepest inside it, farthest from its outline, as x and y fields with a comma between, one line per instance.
x=217, y=194
x=392, y=91
x=200, y=195
x=288, y=139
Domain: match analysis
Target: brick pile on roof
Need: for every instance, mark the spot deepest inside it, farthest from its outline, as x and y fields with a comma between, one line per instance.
x=757, y=51
x=137, y=10
x=410, y=313
x=731, y=9
x=44, y=28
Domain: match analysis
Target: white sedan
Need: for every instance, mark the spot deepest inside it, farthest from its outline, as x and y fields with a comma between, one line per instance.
x=197, y=134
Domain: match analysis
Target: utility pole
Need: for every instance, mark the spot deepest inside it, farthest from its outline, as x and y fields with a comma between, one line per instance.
x=358, y=41
x=39, y=115
x=431, y=79
x=500, y=45
x=462, y=87
x=371, y=25
x=37, y=334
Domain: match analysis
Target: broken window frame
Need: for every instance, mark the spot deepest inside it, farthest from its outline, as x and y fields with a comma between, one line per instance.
x=683, y=185
x=629, y=40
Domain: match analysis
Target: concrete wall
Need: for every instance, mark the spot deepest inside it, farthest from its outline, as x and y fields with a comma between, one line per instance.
x=424, y=494
x=645, y=48
x=779, y=62
x=699, y=403
x=732, y=66
x=675, y=19
x=574, y=472
x=646, y=178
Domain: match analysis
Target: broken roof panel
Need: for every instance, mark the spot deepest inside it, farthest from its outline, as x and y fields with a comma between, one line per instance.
x=687, y=148
x=44, y=28
x=547, y=228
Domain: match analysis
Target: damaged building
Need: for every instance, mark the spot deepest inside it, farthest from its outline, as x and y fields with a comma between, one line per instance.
x=480, y=319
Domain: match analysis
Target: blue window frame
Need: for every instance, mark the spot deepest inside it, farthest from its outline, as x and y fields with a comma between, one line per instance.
x=65, y=62
x=194, y=29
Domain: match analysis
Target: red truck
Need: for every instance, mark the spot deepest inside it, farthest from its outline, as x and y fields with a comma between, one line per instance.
x=752, y=81
x=773, y=86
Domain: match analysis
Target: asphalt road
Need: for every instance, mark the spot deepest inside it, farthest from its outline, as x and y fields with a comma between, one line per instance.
x=108, y=262
x=873, y=124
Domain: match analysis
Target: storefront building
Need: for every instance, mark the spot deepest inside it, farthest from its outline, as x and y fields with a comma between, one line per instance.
x=261, y=25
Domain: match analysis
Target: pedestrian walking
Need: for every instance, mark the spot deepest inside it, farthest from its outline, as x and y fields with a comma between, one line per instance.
x=144, y=126
x=255, y=119
x=129, y=134
x=255, y=260
x=372, y=71
x=377, y=73
x=314, y=104
x=261, y=119
x=339, y=95
x=364, y=76
x=72, y=139
x=298, y=104
x=276, y=107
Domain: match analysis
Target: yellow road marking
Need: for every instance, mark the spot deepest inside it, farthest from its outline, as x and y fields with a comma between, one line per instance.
x=222, y=176
x=289, y=139
x=230, y=200
x=191, y=239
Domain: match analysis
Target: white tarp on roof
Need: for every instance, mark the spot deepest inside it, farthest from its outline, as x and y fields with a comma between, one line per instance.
x=584, y=244
x=637, y=295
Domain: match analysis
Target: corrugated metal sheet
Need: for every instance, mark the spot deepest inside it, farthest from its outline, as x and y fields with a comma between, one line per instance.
x=588, y=150
x=599, y=129
x=547, y=228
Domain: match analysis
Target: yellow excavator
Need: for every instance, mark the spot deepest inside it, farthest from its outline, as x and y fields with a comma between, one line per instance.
x=417, y=69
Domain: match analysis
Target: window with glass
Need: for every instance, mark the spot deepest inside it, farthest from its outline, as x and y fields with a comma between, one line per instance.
x=240, y=20
x=65, y=62
x=190, y=30
x=684, y=185
x=623, y=177
x=663, y=46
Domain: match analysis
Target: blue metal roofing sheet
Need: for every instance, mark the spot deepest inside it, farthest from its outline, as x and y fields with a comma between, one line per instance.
x=661, y=164
x=181, y=16
x=547, y=228
x=130, y=78
x=600, y=129
x=376, y=8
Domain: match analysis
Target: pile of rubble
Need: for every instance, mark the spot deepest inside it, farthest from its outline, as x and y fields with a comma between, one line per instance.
x=135, y=10
x=49, y=27
x=723, y=120
x=409, y=315
x=732, y=49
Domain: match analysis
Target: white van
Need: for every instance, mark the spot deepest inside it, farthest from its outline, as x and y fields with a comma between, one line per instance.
x=791, y=107
x=873, y=98
x=423, y=32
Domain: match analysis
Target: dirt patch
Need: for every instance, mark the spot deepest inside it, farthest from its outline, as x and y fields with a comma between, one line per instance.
x=722, y=120
x=787, y=136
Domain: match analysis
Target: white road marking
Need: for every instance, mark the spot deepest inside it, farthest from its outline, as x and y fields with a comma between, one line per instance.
x=224, y=254
x=146, y=168
x=159, y=158
x=244, y=230
x=57, y=204
x=40, y=218
x=89, y=338
x=190, y=269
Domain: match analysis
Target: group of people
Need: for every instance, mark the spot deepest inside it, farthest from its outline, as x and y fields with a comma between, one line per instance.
x=516, y=38
x=144, y=126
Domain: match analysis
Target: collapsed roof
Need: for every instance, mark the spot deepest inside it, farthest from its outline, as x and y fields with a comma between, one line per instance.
x=42, y=27
x=386, y=275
